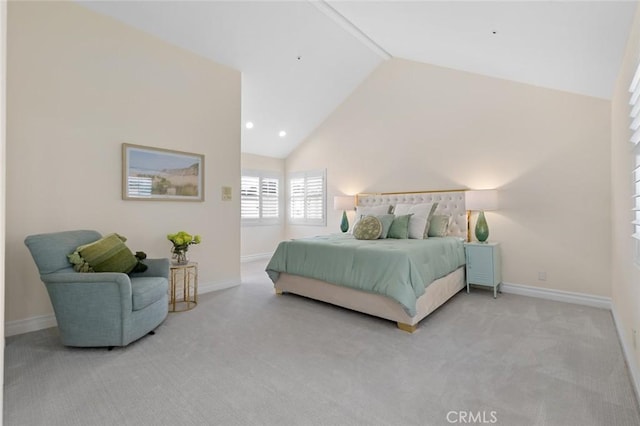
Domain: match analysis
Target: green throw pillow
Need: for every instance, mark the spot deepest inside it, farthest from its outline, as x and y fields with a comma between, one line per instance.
x=400, y=227
x=439, y=225
x=108, y=254
x=387, y=220
x=368, y=228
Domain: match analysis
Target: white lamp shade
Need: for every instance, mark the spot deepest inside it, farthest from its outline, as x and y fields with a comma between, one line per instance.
x=481, y=200
x=343, y=202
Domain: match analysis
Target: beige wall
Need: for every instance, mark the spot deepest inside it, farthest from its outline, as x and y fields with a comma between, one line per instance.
x=79, y=85
x=413, y=126
x=625, y=277
x=258, y=241
x=3, y=98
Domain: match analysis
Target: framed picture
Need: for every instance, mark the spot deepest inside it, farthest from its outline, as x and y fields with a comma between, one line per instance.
x=161, y=174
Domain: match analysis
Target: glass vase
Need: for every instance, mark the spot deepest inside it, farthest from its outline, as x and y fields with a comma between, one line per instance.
x=179, y=256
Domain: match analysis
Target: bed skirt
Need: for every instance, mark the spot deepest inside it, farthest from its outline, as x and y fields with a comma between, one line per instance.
x=435, y=295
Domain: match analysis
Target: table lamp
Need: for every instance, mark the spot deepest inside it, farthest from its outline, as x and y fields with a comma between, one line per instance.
x=481, y=201
x=343, y=203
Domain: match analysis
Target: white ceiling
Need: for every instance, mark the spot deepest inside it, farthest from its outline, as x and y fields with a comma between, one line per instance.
x=300, y=59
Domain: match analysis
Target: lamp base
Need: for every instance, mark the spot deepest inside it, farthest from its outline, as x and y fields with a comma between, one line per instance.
x=344, y=225
x=482, y=229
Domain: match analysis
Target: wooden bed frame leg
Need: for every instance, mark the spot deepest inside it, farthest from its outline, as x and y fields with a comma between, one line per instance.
x=406, y=327
x=278, y=291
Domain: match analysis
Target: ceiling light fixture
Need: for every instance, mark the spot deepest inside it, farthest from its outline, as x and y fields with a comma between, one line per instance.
x=249, y=125
x=282, y=133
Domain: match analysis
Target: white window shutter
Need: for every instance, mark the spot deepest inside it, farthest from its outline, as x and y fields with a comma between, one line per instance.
x=307, y=198
x=259, y=198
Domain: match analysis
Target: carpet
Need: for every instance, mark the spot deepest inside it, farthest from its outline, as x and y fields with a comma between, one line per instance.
x=245, y=356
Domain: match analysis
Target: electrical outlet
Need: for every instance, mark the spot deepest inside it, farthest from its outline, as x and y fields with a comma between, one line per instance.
x=542, y=276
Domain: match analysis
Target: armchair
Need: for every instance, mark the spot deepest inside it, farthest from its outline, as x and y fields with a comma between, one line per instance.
x=99, y=308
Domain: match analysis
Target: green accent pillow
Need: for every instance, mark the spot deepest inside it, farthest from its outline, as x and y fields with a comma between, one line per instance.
x=400, y=227
x=439, y=225
x=108, y=254
x=386, y=220
x=368, y=228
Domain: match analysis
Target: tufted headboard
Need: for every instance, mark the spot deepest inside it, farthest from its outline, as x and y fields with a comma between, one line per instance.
x=450, y=202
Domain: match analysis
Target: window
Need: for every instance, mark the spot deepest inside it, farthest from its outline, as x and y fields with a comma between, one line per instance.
x=307, y=198
x=634, y=103
x=259, y=198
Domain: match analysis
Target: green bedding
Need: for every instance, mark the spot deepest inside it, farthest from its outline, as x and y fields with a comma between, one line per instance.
x=399, y=269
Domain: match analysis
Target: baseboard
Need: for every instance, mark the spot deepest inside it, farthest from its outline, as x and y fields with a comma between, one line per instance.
x=27, y=325
x=628, y=352
x=255, y=257
x=557, y=295
x=215, y=286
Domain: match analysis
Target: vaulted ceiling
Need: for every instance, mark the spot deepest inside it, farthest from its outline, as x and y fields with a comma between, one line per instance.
x=300, y=59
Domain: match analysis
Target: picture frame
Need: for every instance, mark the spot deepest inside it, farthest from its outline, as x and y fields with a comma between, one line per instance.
x=157, y=174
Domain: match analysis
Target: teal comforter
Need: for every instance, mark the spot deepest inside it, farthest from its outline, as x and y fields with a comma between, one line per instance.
x=399, y=269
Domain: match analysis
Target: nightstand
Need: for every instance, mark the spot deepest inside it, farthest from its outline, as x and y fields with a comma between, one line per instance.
x=483, y=265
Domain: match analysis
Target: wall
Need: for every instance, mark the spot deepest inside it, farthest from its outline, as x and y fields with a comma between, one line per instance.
x=259, y=241
x=79, y=85
x=625, y=275
x=3, y=126
x=413, y=126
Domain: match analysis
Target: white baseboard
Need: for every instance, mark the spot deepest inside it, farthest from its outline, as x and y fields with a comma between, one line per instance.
x=629, y=355
x=255, y=257
x=27, y=325
x=558, y=295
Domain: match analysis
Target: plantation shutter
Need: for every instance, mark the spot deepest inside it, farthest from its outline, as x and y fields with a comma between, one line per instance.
x=297, y=198
x=259, y=198
x=634, y=103
x=314, y=202
x=307, y=198
x=250, y=197
x=269, y=196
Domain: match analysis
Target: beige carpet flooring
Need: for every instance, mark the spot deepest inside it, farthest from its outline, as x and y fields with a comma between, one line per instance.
x=244, y=356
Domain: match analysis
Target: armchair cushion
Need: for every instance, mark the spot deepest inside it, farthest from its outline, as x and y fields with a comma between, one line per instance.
x=147, y=290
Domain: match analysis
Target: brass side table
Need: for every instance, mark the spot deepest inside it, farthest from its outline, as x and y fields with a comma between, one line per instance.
x=183, y=287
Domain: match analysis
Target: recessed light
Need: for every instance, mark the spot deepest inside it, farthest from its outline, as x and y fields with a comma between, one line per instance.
x=282, y=133
x=249, y=125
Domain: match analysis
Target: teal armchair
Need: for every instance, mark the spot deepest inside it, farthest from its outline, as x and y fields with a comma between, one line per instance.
x=99, y=309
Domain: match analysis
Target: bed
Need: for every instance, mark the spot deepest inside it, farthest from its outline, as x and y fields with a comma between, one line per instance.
x=401, y=280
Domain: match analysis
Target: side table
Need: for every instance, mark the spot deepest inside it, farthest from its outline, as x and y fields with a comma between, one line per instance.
x=183, y=287
x=483, y=265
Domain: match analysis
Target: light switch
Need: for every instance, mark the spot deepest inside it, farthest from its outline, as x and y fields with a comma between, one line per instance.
x=226, y=193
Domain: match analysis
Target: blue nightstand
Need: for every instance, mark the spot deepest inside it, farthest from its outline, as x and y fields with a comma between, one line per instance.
x=483, y=265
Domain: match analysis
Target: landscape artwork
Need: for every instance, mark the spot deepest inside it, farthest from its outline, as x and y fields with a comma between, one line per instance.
x=161, y=174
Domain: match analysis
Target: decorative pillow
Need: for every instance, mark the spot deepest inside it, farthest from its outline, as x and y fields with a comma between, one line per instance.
x=400, y=227
x=439, y=225
x=368, y=228
x=369, y=211
x=419, y=223
x=386, y=220
x=108, y=254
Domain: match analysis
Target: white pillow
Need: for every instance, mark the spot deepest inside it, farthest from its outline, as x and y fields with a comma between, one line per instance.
x=419, y=221
x=369, y=211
